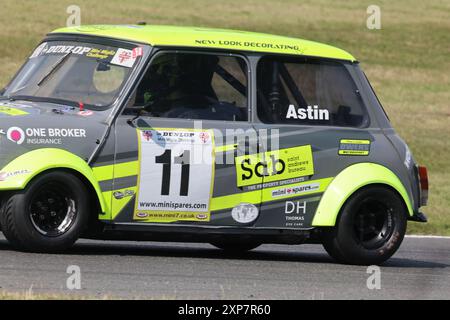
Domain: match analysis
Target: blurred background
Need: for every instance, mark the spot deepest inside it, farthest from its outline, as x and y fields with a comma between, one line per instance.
x=407, y=60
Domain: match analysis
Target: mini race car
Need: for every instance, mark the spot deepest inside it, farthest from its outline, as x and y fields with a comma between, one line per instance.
x=233, y=138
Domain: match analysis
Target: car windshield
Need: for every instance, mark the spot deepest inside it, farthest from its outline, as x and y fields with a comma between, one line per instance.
x=76, y=72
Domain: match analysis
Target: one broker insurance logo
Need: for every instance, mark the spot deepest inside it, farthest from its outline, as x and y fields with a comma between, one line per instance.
x=42, y=135
x=16, y=135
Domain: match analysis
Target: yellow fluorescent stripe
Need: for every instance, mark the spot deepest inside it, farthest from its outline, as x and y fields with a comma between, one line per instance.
x=107, y=173
x=119, y=170
x=226, y=148
x=12, y=111
x=126, y=169
x=255, y=197
x=107, y=195
x=103, y=173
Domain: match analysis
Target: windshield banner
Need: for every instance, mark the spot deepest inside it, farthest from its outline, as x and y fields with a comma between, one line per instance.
x=117, y=56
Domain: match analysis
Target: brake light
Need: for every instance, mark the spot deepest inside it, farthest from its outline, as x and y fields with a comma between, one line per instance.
x=423, y=180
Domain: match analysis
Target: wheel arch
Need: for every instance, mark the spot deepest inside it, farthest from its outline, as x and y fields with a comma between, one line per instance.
x=351, y=180
x=28, y=166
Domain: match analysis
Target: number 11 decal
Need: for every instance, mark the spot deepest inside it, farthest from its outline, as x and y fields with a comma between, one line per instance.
x=166, y=160
x=173, y=185
x=184, y=160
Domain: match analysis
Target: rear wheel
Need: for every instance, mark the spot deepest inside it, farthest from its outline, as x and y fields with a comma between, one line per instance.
x=370, y=228
x=48, y=215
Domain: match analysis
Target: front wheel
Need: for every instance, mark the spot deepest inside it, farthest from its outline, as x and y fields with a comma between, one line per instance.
x=370, y=228
x=49, y=215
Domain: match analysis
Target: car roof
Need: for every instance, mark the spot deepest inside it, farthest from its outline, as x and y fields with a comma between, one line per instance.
x=196, y=37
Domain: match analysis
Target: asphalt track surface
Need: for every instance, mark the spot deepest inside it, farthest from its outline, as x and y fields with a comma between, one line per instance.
x=150, y=270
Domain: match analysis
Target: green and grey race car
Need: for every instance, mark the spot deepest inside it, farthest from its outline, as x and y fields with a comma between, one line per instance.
x=233, y=138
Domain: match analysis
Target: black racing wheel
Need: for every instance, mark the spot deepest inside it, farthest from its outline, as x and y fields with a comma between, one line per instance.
x=48, y=215
x=369, y=229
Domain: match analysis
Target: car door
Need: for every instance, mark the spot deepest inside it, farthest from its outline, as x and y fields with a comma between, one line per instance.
x=177, y=139
x=313, y=110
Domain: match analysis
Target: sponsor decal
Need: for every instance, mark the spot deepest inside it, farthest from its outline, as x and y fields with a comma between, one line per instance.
x=94, y=53
x=101, y=54
x=295, y=190
x=295, y=207
x=37, y=52
x=295, y=212
x=62, y=49
x=245, y=213
x=308, y=113
x=354, y=147
x=167, y=216
x=170, y=187
x=123, y=194
x=5, y=175
x=273, y=166
x=177, y=136
x=16, y=135
x=204, y=137
x=124, y=58
x=248, y=44
x=137, y=52
x=273, y=184
x=142, y=215
x=63, y=110
x=43, y=135
x=202, y=216
x=85, y=113
x=147, y=135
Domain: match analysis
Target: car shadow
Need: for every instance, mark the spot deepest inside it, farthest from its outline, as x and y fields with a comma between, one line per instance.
x=410, y=263
x=107, y=248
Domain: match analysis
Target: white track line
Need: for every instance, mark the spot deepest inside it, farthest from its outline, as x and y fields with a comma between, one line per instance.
x=426, y=237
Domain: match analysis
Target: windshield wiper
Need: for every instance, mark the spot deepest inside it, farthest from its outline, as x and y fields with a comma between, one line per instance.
x=56, y=66
x=24, y=98
x=44, y=99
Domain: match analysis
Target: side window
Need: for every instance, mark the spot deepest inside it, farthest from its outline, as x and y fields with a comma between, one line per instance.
x=193, y=86
x=307, y=92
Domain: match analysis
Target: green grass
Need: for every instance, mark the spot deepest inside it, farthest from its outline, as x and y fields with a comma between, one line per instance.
x=408, y=61
x=30, y=294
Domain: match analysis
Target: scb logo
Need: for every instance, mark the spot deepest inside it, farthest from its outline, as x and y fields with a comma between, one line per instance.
x=262, y=168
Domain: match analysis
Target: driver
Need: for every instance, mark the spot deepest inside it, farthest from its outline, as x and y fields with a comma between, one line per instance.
x=177, y=81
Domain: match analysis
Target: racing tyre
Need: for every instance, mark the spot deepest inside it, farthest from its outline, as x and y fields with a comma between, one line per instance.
x=48, y=216
x=235, y=247
x=370, y=228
